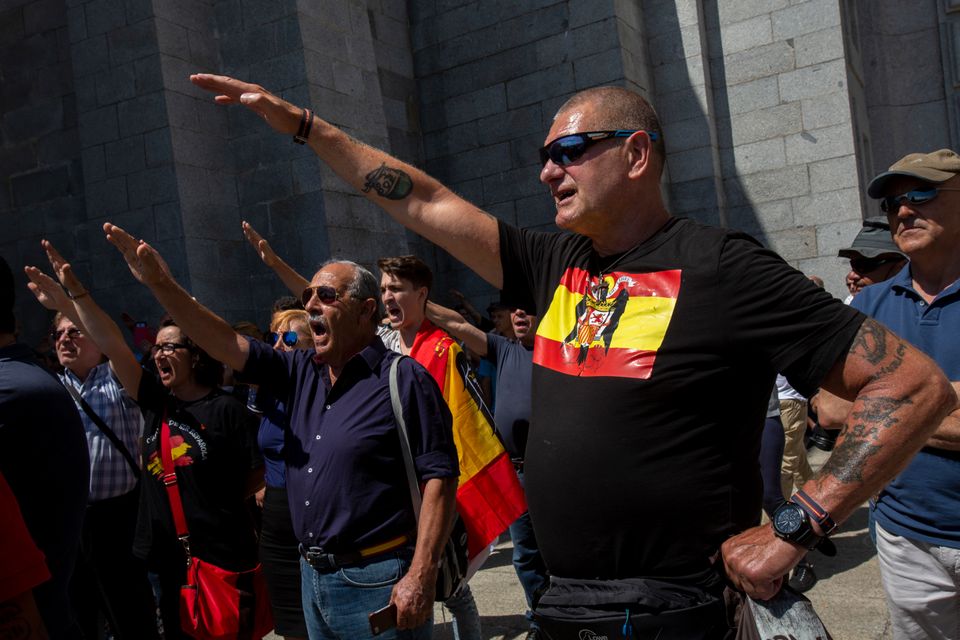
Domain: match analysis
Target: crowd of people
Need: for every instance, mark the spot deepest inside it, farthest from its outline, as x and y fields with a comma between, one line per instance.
x=602, y=433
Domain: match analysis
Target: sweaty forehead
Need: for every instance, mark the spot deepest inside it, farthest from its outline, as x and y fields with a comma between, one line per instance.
x=573, y=120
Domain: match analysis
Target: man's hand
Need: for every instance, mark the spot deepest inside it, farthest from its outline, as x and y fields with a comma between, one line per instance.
x=757, y=561
x=261, y=246
x=145, y=263
x=282, y=116
x=414, y=596
x=47, y=291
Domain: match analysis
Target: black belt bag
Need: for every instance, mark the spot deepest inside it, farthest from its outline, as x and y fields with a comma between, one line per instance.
x=633, y=609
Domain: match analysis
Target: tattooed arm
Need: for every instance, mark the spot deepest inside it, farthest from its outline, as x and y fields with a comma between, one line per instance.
x=413, y=198
x=899, y=397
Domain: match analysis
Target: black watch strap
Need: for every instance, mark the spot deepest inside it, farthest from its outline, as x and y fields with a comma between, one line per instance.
x=819, y=515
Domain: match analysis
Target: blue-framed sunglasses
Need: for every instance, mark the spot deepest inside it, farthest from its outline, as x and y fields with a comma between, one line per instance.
x=891, y=204
x=290, y=338
x=569, y=148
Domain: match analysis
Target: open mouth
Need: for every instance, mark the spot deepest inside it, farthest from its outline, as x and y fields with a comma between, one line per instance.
x=564, y=194
x=394, y=313
x=318, y=325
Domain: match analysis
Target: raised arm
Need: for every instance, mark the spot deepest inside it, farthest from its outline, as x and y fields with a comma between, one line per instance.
x=457, y=326
x=899, y=398
x=211, y=332
x=84, y=312
x=295, y=282
x=410, y=196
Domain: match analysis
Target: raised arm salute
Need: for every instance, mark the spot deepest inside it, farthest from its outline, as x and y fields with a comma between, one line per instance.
x=412, y=197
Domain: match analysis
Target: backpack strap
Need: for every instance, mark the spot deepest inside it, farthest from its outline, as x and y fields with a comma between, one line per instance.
x=173, y=491
x=415, y=496
x=107, y=431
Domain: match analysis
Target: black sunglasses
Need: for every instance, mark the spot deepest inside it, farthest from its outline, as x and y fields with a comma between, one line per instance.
x=166, y=348
x=290, y=338
x=570, y=148
x=326, y=295
x=891, y=204
x=866, y=265
x=73, y=333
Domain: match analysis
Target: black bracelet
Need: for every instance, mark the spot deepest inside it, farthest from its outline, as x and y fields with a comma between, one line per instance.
x=303, y=131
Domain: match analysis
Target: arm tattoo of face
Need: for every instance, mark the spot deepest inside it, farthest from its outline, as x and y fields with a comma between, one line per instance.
x=388, y=182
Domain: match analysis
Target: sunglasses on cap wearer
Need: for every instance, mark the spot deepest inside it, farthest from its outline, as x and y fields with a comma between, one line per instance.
x=324, y=293
x=167, y=348
x=569, y=148
x=891, y=204
x=866, y=265
x=290, y=338
x=73, y=333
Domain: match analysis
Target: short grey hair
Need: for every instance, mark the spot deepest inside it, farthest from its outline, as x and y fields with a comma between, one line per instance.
x=364, y=285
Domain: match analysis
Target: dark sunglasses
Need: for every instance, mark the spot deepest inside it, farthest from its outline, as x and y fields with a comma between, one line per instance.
x=570, y=148
x=290, y=338
x=167, y=348
x=325, y=294
x=73, y=333
x=866, y=265
x=891, y=204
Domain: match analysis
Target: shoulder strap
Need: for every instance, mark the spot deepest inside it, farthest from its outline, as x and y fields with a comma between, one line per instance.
x=170, y=482
x=107, y=431
x=415, y=496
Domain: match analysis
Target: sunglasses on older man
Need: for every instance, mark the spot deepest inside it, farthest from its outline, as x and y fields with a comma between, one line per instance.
x=891, y=204
x=290, y=338
x=570, y=148
x=324, y=293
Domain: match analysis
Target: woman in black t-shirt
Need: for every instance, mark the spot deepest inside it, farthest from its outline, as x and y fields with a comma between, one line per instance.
x=213, y=442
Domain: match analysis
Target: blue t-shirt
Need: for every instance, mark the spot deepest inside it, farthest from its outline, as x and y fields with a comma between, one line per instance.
x=514, y=364
x=923, y=502
x=270, y=439
x=346, y=481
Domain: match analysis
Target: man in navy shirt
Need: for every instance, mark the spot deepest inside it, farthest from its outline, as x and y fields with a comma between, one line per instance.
x=349, y=499
x=918, y=513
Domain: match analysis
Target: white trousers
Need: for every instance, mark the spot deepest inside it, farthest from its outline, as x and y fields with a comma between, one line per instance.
x=922, y=583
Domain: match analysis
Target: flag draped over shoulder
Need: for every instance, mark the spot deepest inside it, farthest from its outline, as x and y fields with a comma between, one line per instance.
x=489, y=496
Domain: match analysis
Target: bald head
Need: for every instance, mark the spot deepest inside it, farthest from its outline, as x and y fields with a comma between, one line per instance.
x=617, y=108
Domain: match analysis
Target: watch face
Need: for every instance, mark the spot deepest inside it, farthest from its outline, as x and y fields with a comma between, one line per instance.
x=787, y=519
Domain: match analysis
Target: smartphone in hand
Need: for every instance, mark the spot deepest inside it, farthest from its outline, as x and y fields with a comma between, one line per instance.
x=383, y=619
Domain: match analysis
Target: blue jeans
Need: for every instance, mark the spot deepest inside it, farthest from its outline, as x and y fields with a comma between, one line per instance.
x=466, y=618
x=336, y=603
x=527, y=562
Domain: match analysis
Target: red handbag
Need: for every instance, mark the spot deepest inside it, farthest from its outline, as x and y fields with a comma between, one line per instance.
x=215, y=604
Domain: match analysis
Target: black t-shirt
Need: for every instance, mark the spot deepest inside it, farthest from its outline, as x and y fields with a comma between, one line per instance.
x=650, y=389
x=214, y=448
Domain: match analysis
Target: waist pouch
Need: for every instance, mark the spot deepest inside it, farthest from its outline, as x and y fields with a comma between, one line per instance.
x=633, y=609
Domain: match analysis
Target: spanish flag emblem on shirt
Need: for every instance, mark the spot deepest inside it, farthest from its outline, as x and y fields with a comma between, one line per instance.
x=608, y=325
x=489, y=496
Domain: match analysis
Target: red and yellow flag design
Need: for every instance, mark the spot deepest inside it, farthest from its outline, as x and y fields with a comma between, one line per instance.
x=489, y=496
x=609, y=326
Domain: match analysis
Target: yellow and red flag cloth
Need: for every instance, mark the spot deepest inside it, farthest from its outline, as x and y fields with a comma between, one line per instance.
x=609, y=325
x=489, y=495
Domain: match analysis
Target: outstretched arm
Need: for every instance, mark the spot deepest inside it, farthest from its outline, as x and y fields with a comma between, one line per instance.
x=295, y=282
x=211, y=332
x=84, y=312
x=413, y=198
x=457, y=326
x=899, y=397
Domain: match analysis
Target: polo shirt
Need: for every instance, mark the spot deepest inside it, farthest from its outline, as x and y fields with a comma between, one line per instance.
x=514, y=366
x=346, y=481
x=923, y=501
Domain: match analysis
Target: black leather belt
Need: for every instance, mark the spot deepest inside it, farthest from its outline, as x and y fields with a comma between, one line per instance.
x=320, y=560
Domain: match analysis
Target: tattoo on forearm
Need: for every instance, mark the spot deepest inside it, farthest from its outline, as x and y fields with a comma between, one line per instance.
x=388, y=182
x=13, y=622
x=859, y=441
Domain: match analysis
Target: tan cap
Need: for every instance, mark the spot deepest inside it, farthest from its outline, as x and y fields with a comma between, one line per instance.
x=936, y=166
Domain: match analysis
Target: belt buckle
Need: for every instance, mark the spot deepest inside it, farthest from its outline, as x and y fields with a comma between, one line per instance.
x=317, y=558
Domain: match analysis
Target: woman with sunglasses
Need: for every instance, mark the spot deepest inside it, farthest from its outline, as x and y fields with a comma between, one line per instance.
x=279, y=552
x=212, y=440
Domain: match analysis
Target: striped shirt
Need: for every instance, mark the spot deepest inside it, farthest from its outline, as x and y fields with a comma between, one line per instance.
x=110, y=475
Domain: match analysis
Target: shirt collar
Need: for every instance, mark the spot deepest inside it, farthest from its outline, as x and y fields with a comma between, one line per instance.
x=904, y=282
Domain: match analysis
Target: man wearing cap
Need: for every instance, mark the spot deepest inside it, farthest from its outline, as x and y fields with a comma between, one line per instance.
x=918, y=513
x=873, y=256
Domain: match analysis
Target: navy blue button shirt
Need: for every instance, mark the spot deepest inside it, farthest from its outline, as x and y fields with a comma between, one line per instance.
x=345, y=476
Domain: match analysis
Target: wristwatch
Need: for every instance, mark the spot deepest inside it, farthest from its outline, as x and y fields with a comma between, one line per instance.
x=791, y=523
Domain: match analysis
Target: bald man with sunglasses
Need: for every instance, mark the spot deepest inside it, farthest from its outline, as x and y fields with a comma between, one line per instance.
x=637, y=465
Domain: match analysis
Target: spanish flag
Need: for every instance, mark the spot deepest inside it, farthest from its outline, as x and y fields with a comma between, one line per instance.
x=489, y=496
x=609, y=325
